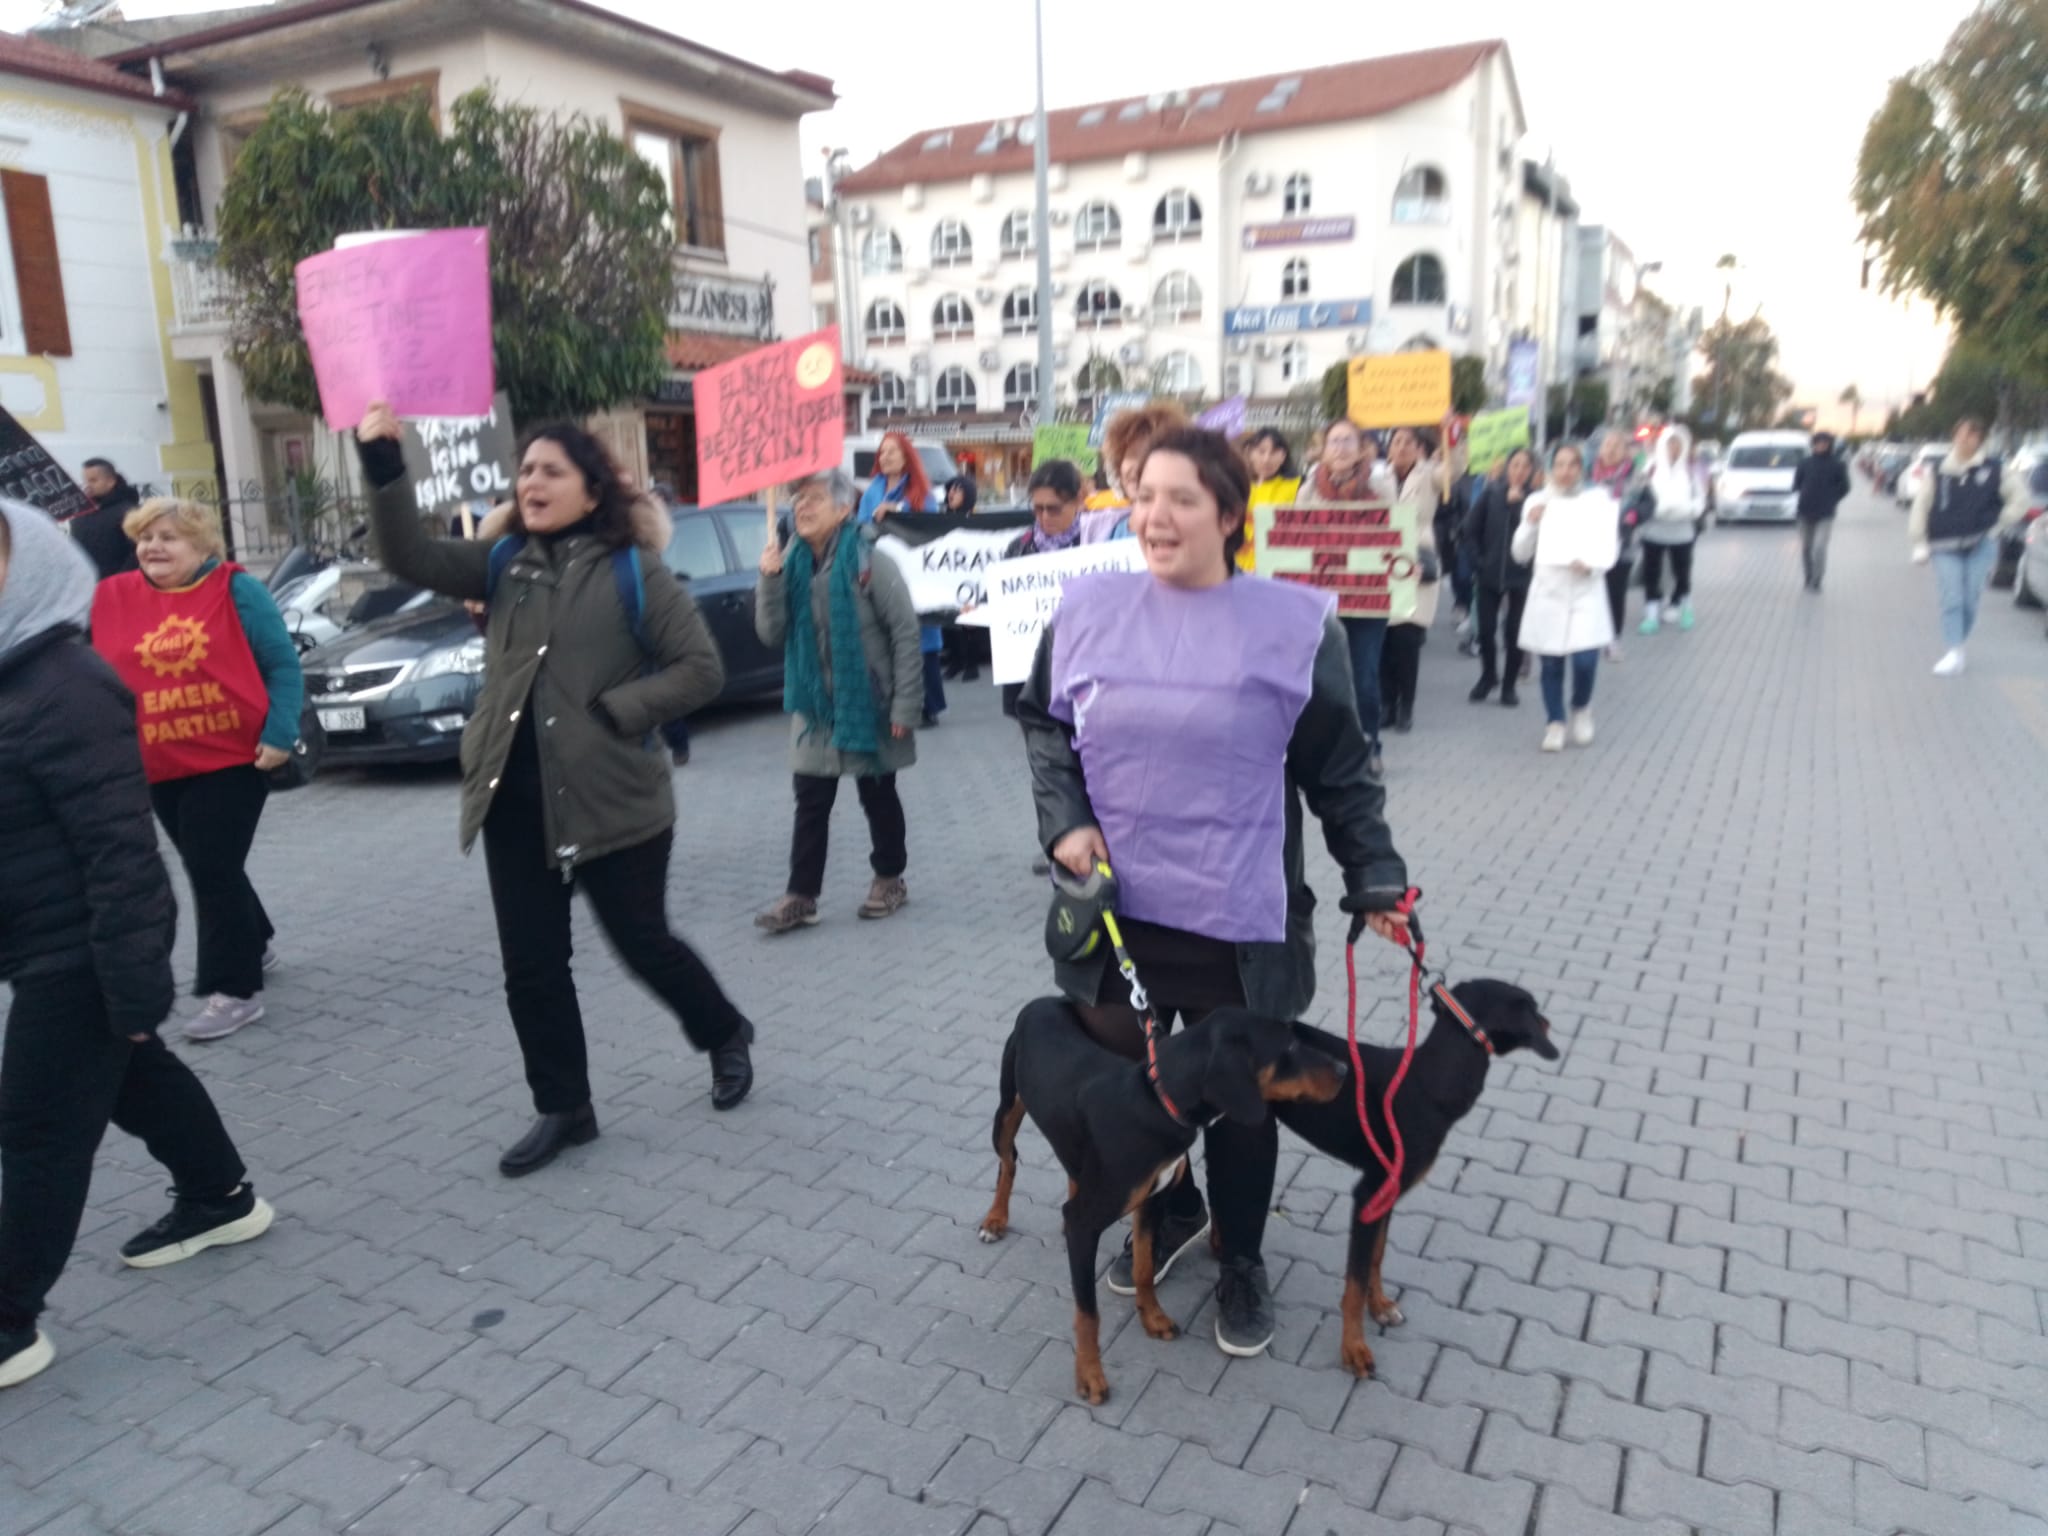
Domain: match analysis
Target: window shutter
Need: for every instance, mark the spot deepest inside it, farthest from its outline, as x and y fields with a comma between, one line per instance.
x=713, y=196
x=38, y=276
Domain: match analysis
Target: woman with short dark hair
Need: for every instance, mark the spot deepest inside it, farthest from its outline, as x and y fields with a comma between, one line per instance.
x=1275, y=483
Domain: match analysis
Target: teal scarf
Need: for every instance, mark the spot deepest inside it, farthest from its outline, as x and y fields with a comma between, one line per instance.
x=848, y=709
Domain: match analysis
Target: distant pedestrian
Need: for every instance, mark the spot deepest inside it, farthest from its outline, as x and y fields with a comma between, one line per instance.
x=1567, y=617
x=1821, y=482
x=1276, y=482
x=1501, y=582
x=99, y=531
x=86, y=924
x=962, y=494
x=901, y=485
x=1614, y=470
x=851, y=685
x=1418, y=478
x=1957, y=516
x=1671, y=529
x=202, y=646
x=1345, y=473
x=1056, y=491
x=563, y=776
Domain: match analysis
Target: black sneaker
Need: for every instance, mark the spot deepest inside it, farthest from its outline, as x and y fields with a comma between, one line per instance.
x=1177, y=1235
x=195, y=1225
x=1244, y=1308
x=24, y=1352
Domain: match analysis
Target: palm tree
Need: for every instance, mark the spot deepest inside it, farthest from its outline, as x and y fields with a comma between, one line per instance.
x=1852, y=397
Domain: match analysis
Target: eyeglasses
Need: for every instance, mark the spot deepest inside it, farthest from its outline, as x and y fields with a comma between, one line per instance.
x=1047, y=508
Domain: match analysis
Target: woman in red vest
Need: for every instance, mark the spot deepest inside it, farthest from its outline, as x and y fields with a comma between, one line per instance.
x=217, y=687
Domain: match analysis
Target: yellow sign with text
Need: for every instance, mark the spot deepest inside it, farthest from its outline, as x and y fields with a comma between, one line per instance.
x=1400, y=389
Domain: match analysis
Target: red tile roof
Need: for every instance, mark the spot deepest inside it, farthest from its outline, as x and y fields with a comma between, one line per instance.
x=45, y=61
x=1336, y=93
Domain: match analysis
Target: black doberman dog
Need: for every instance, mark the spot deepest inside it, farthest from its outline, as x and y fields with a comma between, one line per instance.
x=1443, y=1083
x=1118, y=1141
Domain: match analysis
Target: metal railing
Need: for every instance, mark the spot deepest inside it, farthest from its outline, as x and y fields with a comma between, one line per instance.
x=261, y=524
x=199, y=288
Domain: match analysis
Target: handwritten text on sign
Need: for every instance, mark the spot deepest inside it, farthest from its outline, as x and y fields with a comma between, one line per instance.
x=770, y=416
x=28, y=473
x=1363, y=552
x=405, y=320
x=1401, y=389
x=1024, y=594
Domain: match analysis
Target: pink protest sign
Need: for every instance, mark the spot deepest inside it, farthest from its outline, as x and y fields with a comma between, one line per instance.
x=406, y=320
x=771, y=415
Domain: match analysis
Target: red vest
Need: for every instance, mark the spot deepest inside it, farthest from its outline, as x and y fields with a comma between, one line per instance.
x=200, y=701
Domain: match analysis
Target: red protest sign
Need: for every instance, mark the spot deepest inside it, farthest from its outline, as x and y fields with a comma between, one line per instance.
x=769, y=416
x=1363, y=552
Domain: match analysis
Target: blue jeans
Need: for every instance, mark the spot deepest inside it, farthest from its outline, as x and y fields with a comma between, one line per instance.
x=934, y=684
x=1368, y=638
x=1584, y=665
x=1961, y=575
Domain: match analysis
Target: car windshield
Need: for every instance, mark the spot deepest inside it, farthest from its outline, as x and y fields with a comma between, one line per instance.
x=1754, y=457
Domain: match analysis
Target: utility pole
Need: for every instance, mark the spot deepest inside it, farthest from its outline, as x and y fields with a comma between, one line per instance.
x=1041, y=227
x=1726, y=264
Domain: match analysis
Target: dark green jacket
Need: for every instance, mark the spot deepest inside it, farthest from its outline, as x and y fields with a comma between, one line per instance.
x=559, y=642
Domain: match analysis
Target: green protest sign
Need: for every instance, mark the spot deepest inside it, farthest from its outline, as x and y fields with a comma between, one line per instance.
x=1063, y=440
x=1494, y=435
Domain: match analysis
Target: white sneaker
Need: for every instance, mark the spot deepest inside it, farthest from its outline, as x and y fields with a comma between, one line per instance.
x=223, y=1015
x=1950, y=664
x=1582, y=728
x=1553, y=736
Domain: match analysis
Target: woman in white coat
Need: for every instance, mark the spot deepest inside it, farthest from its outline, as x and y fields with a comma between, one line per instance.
x=1669, y=534
x=1569, y=535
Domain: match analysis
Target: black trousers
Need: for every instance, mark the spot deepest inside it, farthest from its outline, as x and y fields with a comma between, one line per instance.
x=1617, y=590
x=63, y=1077
x=1653, y=571
x=211, y=819
x=1400, y=666
x=1500, y=618
x=815, y=795
x=629, y=891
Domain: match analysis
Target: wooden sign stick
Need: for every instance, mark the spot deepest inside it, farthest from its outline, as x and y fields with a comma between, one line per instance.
x=772, y=534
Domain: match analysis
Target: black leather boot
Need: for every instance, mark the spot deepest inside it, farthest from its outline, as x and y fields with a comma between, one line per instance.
x=550, y=1133
x=732, y=1069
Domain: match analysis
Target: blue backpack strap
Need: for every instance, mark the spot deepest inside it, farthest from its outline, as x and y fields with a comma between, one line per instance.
x=632, y=588
x=502, y=554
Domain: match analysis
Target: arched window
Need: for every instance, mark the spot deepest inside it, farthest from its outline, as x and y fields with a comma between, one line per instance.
x=1178, y=216
x=1017, y=234
x=1099, y=305
x=1419, y=280
x=1298, y=193
x=890, y=396
x=1098, y=376
x=1020, y=312
x=885, y=321
x=1294, y=363
x=1178, y=297
x=952, y=317
x=881, y=251
x=1177, y=373
x=954, y=391
x=952, y=246
x=1422, y=197
x=1020, y=387
x=1097, y=228
x=1294, y=279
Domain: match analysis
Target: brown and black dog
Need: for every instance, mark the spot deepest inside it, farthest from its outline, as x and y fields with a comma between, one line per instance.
x=1443, y=1083
x=1118, y=1142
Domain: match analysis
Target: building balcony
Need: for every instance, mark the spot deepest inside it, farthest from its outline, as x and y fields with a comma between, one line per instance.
x=199, y=288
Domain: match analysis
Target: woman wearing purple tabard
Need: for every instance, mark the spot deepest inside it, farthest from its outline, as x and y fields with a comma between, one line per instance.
x=1176, y=719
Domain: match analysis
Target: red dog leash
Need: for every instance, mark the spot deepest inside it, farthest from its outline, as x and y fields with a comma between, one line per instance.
x=1388, y=1193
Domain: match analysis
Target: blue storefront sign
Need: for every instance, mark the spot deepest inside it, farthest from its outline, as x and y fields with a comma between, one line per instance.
x=1321, y=315
x=1523, y=362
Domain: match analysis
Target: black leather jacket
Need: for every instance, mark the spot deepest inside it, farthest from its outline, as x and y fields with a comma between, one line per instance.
x=1325, y=767
x=1489, y=529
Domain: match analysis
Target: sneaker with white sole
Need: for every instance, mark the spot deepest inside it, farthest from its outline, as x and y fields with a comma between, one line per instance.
x=886, y=895
x=789, y=914
x=223, y=1015
x=1951, y=664
x=1685, y=618
x=269, y=959
x=194, y=1225
x=24, y=1352
x=1244, y=1308
x=1553, y=736
x=1582, y=727
x=1177, y=1237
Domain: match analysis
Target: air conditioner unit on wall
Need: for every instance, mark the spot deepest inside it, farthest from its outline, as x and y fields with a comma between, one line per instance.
x=1236, y=379
x=860, y=213
x=1140, y=251
x=920, y=274
x=1056, y=217
x=1258, y=183
x=984, y=295
x=990, y=358
x=1265, y=351
x=1239, y=346
x=1059, y=290
x=1131, y=352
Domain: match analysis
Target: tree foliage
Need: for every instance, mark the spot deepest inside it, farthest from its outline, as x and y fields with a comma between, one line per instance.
x=1591, y=400
x=1741, y=389
x=582, y=247
x=1972, y=382
x=1468, y=385
x=1952, y=183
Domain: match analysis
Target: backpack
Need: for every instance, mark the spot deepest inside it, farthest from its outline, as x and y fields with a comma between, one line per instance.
x=626, y=577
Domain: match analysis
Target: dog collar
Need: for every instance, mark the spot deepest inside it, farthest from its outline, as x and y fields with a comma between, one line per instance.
x=1457, y=1011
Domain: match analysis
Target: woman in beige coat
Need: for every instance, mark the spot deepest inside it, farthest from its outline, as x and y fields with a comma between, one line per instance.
x=1419, y=481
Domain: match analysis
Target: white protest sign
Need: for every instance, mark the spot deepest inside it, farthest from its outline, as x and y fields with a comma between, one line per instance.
x=1024, y=594
x=1578, y=530
x=943, y=556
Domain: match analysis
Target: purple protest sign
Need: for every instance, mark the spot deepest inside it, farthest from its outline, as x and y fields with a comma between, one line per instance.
x=406, y=320
x=1227, y=416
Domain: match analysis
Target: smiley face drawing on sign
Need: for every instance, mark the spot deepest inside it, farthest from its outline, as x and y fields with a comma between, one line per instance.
x=813, y=366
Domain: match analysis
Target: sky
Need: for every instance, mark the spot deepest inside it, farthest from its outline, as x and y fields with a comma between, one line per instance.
x=1732, y=130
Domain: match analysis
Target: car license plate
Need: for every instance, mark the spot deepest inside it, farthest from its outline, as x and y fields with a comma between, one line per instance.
x=341, y=719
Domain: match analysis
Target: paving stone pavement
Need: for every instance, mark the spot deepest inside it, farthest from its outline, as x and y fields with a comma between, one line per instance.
x=1766, y=1252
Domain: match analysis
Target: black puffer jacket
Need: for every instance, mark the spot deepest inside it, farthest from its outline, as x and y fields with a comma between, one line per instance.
x=82, y=885
x=1489, y=528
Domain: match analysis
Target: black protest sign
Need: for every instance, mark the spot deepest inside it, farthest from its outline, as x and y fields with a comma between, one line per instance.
x=28, y=473
x=458, y=461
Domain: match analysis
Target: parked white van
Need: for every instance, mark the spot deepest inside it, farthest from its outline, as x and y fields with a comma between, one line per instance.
x=1754, y=482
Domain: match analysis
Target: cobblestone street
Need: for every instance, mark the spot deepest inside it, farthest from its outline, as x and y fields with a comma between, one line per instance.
x=1766, y=1251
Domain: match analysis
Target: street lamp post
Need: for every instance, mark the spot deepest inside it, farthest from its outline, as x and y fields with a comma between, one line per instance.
x=1041, y=226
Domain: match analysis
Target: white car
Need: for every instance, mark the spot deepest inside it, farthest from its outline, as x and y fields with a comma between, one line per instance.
x=1915, y=474
x=1754, y=482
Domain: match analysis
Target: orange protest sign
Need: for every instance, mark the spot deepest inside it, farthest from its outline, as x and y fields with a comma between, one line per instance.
x=1401, y=389
x=769, y=416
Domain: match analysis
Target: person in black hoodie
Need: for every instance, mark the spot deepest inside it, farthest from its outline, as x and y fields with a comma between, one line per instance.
x=86, y=923
x=1503, y=585
x=1821, y=483
x=99, y=531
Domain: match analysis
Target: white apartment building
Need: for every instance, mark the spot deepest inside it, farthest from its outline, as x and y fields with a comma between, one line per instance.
x=1232, y=239
x=1544, y=274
